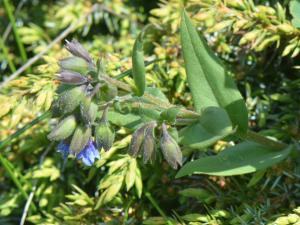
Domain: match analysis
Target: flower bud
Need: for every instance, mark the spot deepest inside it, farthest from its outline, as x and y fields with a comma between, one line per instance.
x=64, y=129
x=76, y=49
x=104, y=135
x=170, y=149
x=149, y=146
x=71, y=77
x=88, y=109
x=136, y=141
x=76, y=64
x=80, y=139
x=72, y=98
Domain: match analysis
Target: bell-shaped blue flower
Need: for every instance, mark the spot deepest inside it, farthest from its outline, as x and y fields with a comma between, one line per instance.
x=88, y=154
x=64, y=149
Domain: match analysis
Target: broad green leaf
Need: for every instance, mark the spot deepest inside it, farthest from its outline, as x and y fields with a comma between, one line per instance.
x=130, y=120
x=196, y=136
x=246, y=157
x=138, y=67
x=147, y=114
x=216, y=121
x=295, y=11
x=170, y=114
x=209, y=82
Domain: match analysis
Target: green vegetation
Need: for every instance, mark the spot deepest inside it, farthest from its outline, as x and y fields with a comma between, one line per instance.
x=154, y=80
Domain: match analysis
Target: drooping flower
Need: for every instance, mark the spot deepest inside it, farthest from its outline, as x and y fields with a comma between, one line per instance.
x=64, y=149
x=88, y=154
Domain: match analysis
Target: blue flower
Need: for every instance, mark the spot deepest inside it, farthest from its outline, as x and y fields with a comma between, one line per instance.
x=64, y=149
x=88, y=154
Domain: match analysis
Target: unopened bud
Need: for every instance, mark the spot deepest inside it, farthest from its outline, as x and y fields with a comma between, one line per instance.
x=171, y=149
x=71, y=77
x=136, y=141
x=76, y=64
x=105, y=135
x=64, y=129
x=72, y=98
x=76, y=49
x=89, y=109
x=293, y=218
x=149, y=146
x=80, y=139
x=221, y=213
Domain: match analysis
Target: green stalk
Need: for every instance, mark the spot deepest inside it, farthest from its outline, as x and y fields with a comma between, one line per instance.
x=127, y=210
x=16, y=181
x=17, y=36
x=5, y=52
x=154, y=203
x=26, y=127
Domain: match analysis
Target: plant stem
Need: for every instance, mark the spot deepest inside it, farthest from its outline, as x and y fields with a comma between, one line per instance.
x=255, y=137
x=19, y=43
x=5, y=52
x=183, y=112
x=16, y=181
x=154, y=203
x=127, y=209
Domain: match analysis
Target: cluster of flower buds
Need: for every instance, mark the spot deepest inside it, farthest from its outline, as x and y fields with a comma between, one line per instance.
x=77, y=108
x=143, y=140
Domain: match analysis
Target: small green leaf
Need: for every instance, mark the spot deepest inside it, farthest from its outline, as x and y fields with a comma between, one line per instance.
x=138, y=67
x=130, y=120
x=209, y=82
x=170, y=114
x=257, y=177
x=148, y=114
x=246, y=157
x=215, y=121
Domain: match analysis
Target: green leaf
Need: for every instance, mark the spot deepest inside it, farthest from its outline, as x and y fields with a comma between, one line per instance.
x=295, y=11
x=131, y=121
x=148, y=114
x=246, y=157
x=209, y=82
x=196, y=136
x=257, y=177
x=170, y=114
x=157, y=93
x=138, y=67
x=215, y=121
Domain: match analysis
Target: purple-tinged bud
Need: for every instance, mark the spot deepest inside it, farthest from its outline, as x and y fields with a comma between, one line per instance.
x=71, y=77
x=77, y=49
x=76, y=64
x=104, y=132
x=170, y=149
x=72, y=98
x=89, y=109
x=80, y=139
x=149, y=146
x=137, y=141
x=88, y=153
x=104, y=135
x=64, y=129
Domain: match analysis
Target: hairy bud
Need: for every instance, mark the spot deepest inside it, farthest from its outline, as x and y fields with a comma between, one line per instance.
x=88, y=109
x=64, y=129
x=171, y=149
x=149, y=146
x=136, y=141
x=72, y=98
x=104, y=135
x=80, y=139
x=77, y=49
x=76, y=64
x=71, y=77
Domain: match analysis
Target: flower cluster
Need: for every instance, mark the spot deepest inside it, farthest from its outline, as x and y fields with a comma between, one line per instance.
x=77, y=107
